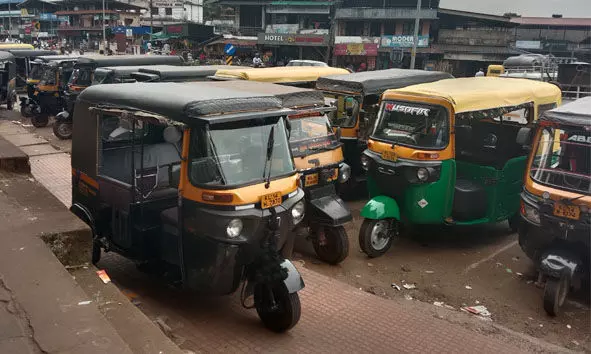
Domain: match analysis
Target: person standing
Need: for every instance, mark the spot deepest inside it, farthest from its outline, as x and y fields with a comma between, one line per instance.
x=479, y=73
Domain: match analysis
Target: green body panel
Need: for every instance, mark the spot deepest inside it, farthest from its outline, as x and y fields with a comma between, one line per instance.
x=502, y=187
x=381, y=207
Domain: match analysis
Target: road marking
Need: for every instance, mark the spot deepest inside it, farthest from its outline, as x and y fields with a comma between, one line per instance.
x=489, y=257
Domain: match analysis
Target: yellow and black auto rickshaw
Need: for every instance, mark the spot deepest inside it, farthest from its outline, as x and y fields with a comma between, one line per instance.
x=35, y=72
x=556, y=201
x=7, y=80
x=48, y=95
x=24, y=58
x=300, y=76
x=318, y=156
x=196, y=180
x=357, y=97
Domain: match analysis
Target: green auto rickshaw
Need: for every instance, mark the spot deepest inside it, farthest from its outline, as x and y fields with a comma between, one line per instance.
x=447, y=153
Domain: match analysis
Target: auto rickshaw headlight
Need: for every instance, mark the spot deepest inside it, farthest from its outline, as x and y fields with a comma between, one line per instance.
x=530, y=213
x=364, y=162
x=297, y=212
x=234, y=228
x=344, y=173
x=422, y=174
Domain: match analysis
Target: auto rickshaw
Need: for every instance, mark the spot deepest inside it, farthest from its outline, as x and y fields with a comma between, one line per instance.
x=318, y=156
x=169, y=73
x=300, y=76
x=195, y=180
x=35, y=72
x=8, y=80
x=48, y=96
x=83, y=76
x=556, y=200
x=495, y=70
x=446, y=153
x=356, y=97
x=9, y=46
x=23, y=58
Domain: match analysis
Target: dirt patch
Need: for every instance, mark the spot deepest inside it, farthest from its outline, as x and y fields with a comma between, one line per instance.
x=72, y=248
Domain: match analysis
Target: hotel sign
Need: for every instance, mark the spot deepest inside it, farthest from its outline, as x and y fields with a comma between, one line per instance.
x=293, y=39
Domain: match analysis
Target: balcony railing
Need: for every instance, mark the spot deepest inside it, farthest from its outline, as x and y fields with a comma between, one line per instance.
x=385, y=13
x=480, y=37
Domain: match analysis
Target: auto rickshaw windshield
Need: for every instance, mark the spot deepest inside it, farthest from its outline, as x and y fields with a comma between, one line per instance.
x=311, y=134
x=414, y=125
x=36, y=71
x=48, y=76
x=238, y=153
x=347, y=111
x=81, y=76
x=99, y=76
x=563, y=158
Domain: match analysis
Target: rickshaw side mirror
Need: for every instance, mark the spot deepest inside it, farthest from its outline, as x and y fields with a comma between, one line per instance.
x=524, y=137
x=172, y=135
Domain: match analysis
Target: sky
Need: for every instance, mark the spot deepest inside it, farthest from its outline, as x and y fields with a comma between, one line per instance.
x=529, y=8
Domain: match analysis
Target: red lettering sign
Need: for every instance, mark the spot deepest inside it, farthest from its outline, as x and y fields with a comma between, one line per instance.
x=174, y=29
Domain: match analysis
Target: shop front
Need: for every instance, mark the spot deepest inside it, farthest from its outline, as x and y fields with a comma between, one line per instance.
x=356, y=53
x=246, y=48
x=395, y=51
x=186, y=37
x=278, y=49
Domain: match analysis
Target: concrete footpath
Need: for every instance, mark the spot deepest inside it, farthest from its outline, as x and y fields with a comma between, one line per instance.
x=335, y=317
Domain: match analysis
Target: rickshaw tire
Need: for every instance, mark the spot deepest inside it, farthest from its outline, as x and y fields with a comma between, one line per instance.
x=278, y=322
x=514, y=222
x=555, y=292
x=10, y=104
x=365, y=239
x=338, y=237
x=40, y=121
x=61, y=134
x=96, y=253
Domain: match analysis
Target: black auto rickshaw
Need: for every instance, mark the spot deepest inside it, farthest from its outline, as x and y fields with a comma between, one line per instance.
x=318, y=156
x=36, y=67
x=48, y=95
x=8, y=81
x=169, y=73
x=83, y=76
x=556, y=201
x=23, y=58
x=196, y=180
x=356, y=97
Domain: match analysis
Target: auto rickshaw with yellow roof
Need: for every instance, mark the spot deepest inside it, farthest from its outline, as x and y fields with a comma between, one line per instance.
x=446, y=153
x=556, y=201
x=197, y=181
x=300, y=76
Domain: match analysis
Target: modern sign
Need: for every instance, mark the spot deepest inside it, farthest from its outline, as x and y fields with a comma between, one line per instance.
x=403, y=41
x=167, y=3
x=528, y=44
x=293, y=39
x=229, y=49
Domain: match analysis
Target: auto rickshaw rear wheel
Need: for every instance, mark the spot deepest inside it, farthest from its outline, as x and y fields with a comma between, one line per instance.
x=10, y=103
x=63, y=130
x=375, y=236
x=333, y=246
x=514, y=222
x=40, y=120
x=277, y=308
x=555, y=293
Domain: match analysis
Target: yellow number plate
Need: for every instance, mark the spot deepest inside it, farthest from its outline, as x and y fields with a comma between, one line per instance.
x=270, y=200
x=567, y=211
x=311, y=180
x=389, y=155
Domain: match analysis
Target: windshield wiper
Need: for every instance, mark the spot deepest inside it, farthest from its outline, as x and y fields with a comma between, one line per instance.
x=268, y=159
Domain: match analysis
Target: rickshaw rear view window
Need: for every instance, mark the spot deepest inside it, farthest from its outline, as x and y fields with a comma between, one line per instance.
x=347, y=111
x=312, y=133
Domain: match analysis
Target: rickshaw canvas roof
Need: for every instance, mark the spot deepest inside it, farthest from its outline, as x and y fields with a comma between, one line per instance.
x=376, y=82
x=183, y=102
x=123, y=70
x=33, y=53
x=574, y=113
x=482, y=93
x=129, y=60
x=290, y=96
x=283, y=74
x=171, y=72
x=47, y=58
x=6, y=56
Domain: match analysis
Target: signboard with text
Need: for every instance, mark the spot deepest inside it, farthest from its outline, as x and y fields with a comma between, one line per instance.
x=293, y=39
x=362, y=49
x=167, y=3
x=403, y=41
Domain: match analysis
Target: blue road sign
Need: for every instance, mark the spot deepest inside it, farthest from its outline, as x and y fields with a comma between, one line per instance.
x=229, y=49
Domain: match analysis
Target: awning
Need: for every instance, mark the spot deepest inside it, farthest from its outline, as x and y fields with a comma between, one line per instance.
x=160, y=36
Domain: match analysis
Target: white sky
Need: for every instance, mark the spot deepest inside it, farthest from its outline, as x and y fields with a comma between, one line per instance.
x=528, y=8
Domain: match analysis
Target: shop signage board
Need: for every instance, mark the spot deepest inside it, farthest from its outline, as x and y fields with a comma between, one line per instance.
x=403, y=41
x=362, y=49
x=293, y=39
x=528, y=44
x=167, y=3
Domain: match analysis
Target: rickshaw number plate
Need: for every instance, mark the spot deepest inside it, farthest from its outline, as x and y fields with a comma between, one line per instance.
x=389, y=155
x=311, y=180
x=567, y=211
x=270, y=200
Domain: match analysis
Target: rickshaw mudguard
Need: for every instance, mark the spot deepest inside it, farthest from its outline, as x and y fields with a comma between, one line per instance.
x=381, y=207
x=294, y=281
x=328, y=210
x=558, y=263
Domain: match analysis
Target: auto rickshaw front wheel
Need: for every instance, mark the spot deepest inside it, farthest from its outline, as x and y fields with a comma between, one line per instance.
x=332, y=246
x=277, y=308
x=40, y=120
x=63, y=130
x=375, y=236
x=555, y=292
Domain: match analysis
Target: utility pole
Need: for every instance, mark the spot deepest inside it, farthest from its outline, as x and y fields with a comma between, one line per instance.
x=415, y=39
x=9, y=23
x=331, y=30
x=104, y=34
x=151, y=21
